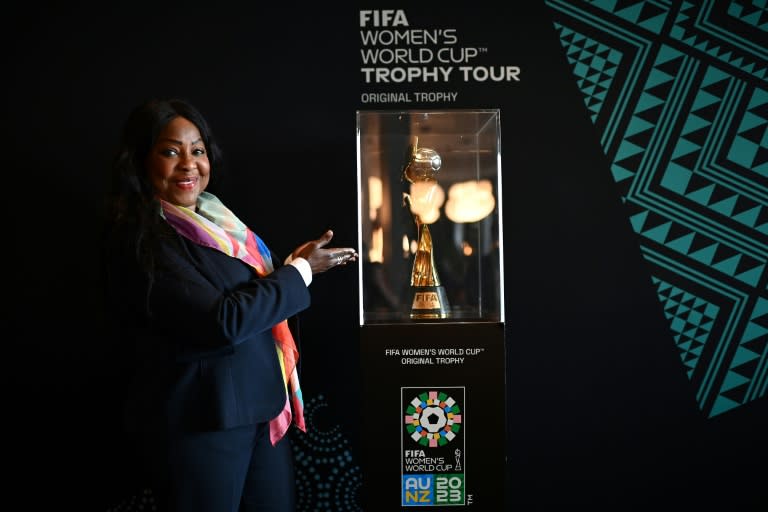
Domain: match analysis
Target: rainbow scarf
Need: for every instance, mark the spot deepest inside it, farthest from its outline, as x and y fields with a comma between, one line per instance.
x=214, y=225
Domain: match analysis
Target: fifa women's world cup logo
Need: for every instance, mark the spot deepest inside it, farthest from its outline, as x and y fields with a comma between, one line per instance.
x=425, y=197
x=433, y=453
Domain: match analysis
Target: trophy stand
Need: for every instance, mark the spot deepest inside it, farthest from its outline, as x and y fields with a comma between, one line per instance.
x=433, y=385
x=429, y=298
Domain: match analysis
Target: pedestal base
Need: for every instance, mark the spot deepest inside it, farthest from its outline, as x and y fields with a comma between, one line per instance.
x=433, y=416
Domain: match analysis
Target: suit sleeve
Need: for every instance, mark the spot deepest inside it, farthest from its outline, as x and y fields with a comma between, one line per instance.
x=207, y=300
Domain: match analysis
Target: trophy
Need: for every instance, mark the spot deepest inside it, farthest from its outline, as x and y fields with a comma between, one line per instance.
x=424, y=201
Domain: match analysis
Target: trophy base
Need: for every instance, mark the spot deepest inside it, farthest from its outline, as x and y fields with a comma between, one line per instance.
x=429, y=302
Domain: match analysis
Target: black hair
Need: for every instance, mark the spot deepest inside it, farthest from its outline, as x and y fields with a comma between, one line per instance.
x=133, y=222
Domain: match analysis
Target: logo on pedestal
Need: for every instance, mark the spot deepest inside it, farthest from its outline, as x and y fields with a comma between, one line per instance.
x=433, y=452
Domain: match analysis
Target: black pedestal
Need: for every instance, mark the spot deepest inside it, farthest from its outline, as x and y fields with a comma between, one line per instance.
x=433, y=415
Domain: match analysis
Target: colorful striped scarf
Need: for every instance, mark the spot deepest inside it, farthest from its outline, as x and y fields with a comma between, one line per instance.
x=214, y=225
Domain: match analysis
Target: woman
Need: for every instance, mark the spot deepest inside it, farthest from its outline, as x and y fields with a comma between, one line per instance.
x=204, y=304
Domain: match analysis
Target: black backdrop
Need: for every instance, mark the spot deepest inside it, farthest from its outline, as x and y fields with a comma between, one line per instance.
x=600, y=410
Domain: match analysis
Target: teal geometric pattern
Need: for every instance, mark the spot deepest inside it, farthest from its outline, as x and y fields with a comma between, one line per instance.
x=594, y=65
x=678, y=92
x=327, y=480
x=750, y=145
x=755, y=13
x=691, y=319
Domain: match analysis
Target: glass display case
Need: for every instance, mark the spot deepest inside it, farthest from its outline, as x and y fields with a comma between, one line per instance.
x=429, y=218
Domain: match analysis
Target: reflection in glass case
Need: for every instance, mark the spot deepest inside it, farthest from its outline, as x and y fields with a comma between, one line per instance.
x=429, y=219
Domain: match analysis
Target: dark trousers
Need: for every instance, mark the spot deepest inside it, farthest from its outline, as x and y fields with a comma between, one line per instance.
x=235, y=470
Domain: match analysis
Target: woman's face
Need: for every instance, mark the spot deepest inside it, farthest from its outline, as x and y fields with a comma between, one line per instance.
x=178, y=163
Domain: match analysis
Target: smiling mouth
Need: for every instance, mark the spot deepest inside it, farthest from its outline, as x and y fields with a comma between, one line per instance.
x=187, y=182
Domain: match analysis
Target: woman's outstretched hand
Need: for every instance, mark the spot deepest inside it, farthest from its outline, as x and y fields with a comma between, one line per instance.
x=321, y=258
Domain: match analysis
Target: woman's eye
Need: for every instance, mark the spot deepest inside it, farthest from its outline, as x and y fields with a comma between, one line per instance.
x=169, y=152
x=198, y=151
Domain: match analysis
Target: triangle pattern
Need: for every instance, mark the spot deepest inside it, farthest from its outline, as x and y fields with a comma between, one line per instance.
x=690, y=319
x=702, y=194
x=631, y=12
x=620, y=173
x=732, y=380
x=676, y=178
x=688, y=164
x=725, y=206
x=737, y=393
x=652, y=22
x=694, y=123
x=752, y=275
x=757, y=345
x=594, y=72
x=749, y=217
x=721, y=405
x=704, y=255
x=629, y=156
x=750, y=148
x=753, y=13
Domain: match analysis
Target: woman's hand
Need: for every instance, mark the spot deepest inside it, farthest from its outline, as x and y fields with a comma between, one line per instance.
x=321, y=258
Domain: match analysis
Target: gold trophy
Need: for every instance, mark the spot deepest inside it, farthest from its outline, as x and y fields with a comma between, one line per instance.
x=424, y=201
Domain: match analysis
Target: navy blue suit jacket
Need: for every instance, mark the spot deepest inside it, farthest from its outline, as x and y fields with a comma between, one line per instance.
x=205, y=359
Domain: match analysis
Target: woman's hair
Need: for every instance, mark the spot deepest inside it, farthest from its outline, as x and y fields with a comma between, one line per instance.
x=131, y=189
x=132, y=211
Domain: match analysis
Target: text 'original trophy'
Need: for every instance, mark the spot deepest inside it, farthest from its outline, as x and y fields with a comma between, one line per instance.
x=424, y=201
